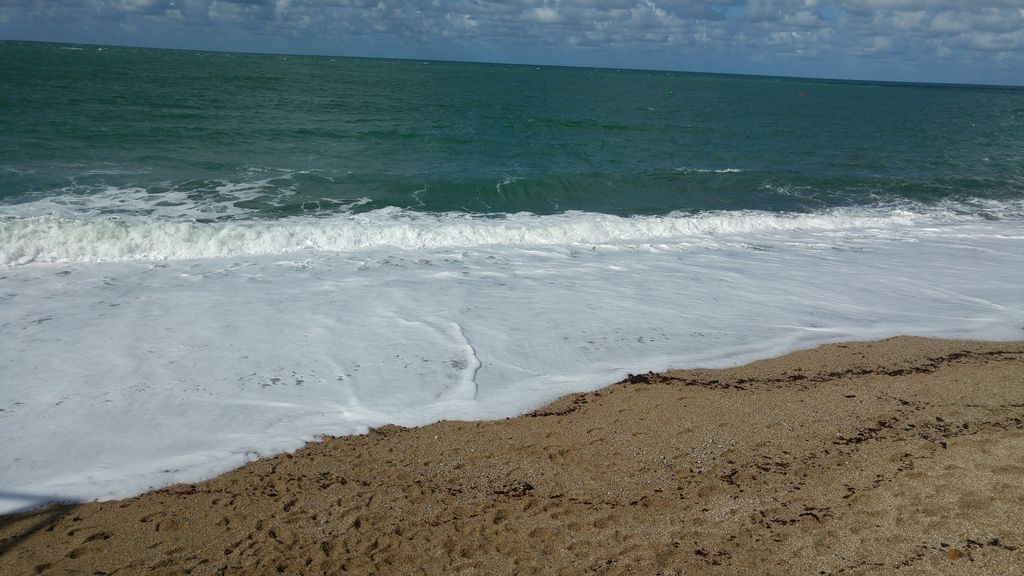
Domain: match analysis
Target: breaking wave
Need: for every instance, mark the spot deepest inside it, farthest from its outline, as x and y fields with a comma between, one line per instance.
x=51, y=238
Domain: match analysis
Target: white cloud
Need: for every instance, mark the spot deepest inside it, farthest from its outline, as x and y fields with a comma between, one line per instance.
x=881, y=44
x=993, y=41
x=804, y=19
x=904, y=20
x=543, y=14
x=920, y=4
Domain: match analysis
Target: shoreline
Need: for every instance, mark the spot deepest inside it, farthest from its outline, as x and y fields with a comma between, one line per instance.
x=896, y=455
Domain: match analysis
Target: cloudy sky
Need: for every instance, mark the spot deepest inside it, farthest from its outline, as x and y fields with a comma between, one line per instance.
x=972, y=41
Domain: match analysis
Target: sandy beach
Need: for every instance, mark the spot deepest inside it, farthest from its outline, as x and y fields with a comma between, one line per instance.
x=900, y=456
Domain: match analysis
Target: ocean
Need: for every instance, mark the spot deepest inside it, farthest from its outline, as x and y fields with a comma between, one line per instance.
x=212, y=257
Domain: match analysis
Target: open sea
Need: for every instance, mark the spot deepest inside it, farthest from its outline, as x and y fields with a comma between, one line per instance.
x=210, y=257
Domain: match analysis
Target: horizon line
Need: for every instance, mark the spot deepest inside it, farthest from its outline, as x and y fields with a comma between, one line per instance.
x=538, y=65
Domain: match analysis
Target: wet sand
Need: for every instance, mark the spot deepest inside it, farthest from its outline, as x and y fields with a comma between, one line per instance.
x=901, y=456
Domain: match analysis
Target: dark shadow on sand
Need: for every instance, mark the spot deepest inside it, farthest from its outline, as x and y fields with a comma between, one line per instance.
x=33, y=518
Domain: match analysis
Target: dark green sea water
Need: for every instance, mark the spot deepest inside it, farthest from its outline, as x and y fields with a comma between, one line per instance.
x=223, y=135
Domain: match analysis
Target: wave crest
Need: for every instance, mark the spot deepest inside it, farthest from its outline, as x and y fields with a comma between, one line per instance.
x=55, y=239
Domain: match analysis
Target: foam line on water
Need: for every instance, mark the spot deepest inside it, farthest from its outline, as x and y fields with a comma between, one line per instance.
x=470, y=365
x=56, y=239
x=688, y=170
x=90, y=197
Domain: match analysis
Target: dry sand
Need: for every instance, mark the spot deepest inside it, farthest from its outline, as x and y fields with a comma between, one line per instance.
x=905, y=456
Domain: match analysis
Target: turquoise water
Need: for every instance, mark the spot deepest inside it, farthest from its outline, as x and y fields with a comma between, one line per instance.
x=242, y=136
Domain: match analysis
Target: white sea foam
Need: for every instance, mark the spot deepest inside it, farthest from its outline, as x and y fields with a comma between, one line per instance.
x=182, y=201
x=136, y=354
x=102, y=238
x=688, y=170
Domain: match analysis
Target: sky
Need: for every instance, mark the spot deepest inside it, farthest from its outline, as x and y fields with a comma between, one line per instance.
x=956, y=41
